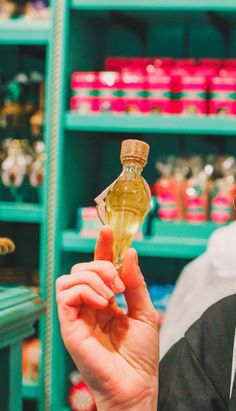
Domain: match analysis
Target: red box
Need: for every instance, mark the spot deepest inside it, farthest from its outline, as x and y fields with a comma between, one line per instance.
x=110, y=93
x=159, y=93
x=189, y=94
x=223, y=96
x=115, y=63
x=134, y=91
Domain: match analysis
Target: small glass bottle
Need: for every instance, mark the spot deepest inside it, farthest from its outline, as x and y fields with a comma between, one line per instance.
x=127, y=200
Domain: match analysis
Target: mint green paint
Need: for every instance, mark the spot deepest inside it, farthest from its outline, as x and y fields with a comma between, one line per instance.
x=126, y=123
x=19, y=309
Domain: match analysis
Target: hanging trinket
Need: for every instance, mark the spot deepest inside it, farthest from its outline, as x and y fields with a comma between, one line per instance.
x=37, y=120
x=36, y=172
x=15, y=166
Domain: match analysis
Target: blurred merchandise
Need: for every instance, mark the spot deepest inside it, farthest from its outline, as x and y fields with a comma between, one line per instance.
x=30, y=9
x=18, y=276
x=30, y=360
x=167, y=191
x=88, y=223
x=223, y=191
x=160, y=296
x=22, y=101
x=223, y=95
x=196, y=189
x=157, y=85
x=195, y=192
x=36, y=171
x=80, y=397
x=22, y=164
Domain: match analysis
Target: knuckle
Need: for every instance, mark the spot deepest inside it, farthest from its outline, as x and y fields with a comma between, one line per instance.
x=59, y=282
x=60, y=299
x=74, y=268
x=109, y=266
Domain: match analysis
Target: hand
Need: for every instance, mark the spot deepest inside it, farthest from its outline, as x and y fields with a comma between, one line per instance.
x=116, y=353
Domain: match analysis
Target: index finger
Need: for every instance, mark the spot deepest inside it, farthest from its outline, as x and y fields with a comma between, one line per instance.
x=104, y=245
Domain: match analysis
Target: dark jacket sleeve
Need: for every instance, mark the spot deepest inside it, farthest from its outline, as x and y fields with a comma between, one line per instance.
x=195, y=374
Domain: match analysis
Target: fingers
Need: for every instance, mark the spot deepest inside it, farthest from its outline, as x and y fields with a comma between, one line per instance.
x=104, y=246
x=139, y=303
x=105, y=270
x=71, y=299
x=88, y=278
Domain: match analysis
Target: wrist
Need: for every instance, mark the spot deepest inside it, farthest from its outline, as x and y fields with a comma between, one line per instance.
x=146, y=401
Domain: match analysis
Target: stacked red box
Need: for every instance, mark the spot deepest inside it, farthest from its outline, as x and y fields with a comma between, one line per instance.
x=159, y=93
x=223, y=96
x=134, y=85
x=188, y=93
x=85, y=90
x=110, y=92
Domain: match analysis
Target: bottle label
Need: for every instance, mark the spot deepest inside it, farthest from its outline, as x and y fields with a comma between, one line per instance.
x=221, y=207
x=196, y=205
x=167, y=207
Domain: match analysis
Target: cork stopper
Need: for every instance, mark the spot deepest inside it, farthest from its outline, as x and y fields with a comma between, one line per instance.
x=134, y=149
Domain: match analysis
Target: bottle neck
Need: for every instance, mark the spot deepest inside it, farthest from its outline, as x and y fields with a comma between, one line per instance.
x=132, y=169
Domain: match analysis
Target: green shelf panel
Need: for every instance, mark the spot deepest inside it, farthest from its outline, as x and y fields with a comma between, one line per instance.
x=22, y=31
x=191, y=5
x=21, y=212
x=174, y=240
x=151, y=124
x=30, y=390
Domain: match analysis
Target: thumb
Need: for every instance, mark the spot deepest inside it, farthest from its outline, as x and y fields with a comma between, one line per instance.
x=139, y=303
x=104, y=246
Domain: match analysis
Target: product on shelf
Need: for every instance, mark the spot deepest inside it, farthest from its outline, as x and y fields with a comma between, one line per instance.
x=110, y=92
x=30, y=360
x=88, y=223
x=22, y=162
x=80, y=396
x=195, y=193
x=84, y=86
x=37, y=119
x=158, y=98
x=134, y=84
x=196, y=189
x=36, y=172
x=20, y=99
x=167, y=192
x=189, y=94
x=157, y=85
x=34, y=9
x=223, y=191
x=18, y=275
x=222, y=98
x=18, y=157
x=126, y=202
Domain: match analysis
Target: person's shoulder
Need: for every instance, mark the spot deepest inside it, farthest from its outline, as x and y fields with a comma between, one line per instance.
x=219, y=319
x=211, y=340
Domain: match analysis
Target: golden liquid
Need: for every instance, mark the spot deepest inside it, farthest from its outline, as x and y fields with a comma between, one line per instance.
x=126, y=206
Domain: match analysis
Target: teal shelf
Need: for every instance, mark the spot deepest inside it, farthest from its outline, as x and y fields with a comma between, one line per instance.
x=22, y=31
x=21, y=212
x=174, y=240
x=151, y=124
x=191, y=5
x=30, y=390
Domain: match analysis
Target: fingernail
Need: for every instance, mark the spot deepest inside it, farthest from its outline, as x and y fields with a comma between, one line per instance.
x=108, y=292
x=101, y=300
x=118, y=285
